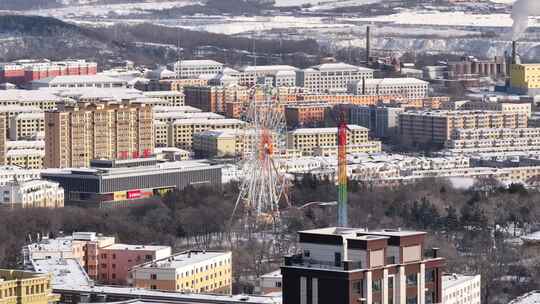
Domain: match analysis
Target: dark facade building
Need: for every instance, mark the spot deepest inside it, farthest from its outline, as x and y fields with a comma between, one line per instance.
x=382, y=121
x=346, y=266
x=124, y=183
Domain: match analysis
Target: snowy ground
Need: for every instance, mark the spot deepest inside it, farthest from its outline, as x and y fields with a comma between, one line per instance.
x=324, y=4
x=95, y=11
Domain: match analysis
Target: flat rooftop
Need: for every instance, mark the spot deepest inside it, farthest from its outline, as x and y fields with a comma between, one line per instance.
x=451, y=280
x=135, y=247
x=184, y=259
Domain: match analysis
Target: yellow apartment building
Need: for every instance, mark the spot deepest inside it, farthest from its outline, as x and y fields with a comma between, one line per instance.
x=25, y=287
x=181, y=131
x=76, y=134
x=190, y=271
x=307, y=140
x=26, y=125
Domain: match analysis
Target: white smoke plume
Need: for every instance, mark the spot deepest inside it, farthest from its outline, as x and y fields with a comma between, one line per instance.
x=521, y=10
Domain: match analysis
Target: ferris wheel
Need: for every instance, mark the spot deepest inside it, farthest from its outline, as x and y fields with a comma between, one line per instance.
x=263, y=186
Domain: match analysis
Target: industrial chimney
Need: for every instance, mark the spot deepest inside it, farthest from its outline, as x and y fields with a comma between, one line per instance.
x=514, y=52
x=368, y=43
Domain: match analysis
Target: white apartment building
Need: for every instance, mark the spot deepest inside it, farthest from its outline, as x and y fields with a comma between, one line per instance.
x=493, y=140
x=279, y=75
x=43, y=100
x=461, y=289
x=33, y=193
x=330, y=77
x=197, y=68
x=10, y=173
x=79, y=81
x=404, y=87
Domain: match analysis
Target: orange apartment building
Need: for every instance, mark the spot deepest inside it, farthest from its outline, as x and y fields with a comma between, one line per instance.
x=306, y=114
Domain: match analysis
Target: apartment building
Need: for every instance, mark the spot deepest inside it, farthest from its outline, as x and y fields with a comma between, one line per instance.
x=26, y=287
x=189, y=69
x=369, y=147
x=30, y=98
x=76, y=134
x=10, y=173
x=348, y=265
x=493, y=140
x=22, y=71
x=116, y=260
x=32, y=194
x=219, y=143
x=334, y=99
x=215, y=98
x=524, y=79
x=435, y=127
x=190, y=271
x=172, y=98
x=382, y=121
x=515, y=107
x=25, y=158
x=306, y=114
x=161, y=133
x=330, y=77
x=104, y=260
x=277, y=75
x=26, y=126
x=461, y=289
x=84, y=81
x=179, y=84
x=403, y=87
x=307, y=139
x=181, y=131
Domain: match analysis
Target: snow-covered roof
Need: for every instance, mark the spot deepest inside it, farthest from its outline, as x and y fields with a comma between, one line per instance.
x=340, y=66
x=326, y=130
x=198, y=63
x=78, y=79
x=395, y=81
x=27, y=95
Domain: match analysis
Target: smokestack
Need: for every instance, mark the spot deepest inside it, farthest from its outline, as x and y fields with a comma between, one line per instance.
x=368, y=43
x=514, y=52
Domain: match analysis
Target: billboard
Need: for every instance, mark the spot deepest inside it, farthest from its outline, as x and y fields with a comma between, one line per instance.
x=120, y=195
x=133, y=194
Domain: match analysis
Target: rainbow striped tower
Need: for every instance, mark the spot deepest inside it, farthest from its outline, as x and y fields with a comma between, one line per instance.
x=342, y=172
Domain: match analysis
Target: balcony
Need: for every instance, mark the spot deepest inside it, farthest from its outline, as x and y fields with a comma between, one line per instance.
x=301, y=261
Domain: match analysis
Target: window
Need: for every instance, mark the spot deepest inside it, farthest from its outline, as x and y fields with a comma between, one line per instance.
x=430, y=297
x=113, y=266
x=114, y=256
x=113, y=276
x=358, y=287
x=155, y=287
x=148, y=257
x=278, y=284
x=412, y=279
x=430, y=275
x=153, y=276
x=376, y=285
x=412, y=300
x=337, y=259
x=390, y=282
x=307, y=253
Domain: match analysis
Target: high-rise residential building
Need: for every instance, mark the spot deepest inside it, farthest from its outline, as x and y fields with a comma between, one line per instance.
x=402, y=87
x=190, y=271
x=76, y=134
x=331, y=77
x=436, y=127
x=381, y=121
x=347, y=265
x=197, y=68
x=26, y=287
x=32, y=194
